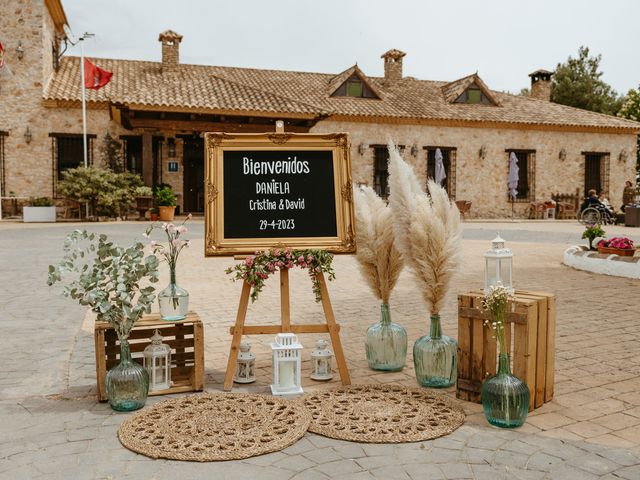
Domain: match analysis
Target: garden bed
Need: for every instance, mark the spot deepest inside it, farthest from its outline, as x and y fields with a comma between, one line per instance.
x=581, y=258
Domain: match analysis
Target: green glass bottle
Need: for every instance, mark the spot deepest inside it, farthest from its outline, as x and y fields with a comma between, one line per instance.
x=127, y=383
x=386, y=343
x=505, y=398
x=435, y=357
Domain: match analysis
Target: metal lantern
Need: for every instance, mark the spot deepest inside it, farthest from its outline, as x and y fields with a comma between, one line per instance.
x=245, y=365
x=157, y=362
x=287, y=363
x=498, y=267
x=321, y=361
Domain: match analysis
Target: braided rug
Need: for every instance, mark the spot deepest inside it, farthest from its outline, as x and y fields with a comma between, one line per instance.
x=382, y=414
x=210, y=427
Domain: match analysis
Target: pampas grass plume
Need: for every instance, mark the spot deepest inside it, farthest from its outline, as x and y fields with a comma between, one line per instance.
x=379, y=260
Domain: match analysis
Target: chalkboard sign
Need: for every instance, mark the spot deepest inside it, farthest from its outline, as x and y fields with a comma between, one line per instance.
x=279, y=189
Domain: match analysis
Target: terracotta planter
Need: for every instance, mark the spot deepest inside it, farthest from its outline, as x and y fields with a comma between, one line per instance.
x=167, y=213
x=154, y=217
x=623, y=252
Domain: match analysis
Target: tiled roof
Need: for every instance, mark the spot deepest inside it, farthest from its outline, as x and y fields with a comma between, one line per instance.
x=453, y=90
x=211, y=88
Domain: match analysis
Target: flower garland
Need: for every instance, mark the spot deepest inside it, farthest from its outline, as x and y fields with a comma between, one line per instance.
x=256, y=268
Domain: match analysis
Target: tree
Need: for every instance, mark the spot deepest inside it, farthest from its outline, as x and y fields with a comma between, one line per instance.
x=111, y=153
x=631, y=110
x=577, y=83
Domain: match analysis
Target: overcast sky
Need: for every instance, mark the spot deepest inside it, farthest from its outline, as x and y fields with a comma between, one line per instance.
x=504, y=40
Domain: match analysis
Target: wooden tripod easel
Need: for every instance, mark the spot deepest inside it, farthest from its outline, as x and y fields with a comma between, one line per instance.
x=285, y=326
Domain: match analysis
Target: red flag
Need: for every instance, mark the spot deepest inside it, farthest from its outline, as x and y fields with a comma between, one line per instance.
x=94, y=76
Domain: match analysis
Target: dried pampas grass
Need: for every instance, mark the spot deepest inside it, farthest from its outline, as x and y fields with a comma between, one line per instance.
x=380, y=261
x=427, y=229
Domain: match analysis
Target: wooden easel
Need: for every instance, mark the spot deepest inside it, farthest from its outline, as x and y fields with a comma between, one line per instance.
x=285, y=326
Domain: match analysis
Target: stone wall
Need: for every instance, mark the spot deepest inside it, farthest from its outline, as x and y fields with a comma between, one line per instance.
x=484, y=182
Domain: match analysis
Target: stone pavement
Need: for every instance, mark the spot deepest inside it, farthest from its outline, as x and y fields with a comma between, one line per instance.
x=53, y=427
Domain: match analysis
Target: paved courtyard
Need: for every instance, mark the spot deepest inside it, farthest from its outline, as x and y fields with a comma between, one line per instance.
x=53, y=427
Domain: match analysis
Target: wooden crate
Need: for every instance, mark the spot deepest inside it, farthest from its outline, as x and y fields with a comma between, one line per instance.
x=185, y=337
x=530, y=334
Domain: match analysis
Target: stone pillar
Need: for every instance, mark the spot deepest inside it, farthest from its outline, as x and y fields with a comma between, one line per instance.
x=147, y=158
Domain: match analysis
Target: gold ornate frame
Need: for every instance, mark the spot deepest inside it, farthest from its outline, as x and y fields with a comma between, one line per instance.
x=216, y=143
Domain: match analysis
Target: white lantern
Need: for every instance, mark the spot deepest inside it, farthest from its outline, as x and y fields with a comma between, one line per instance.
x=287, y=362
x=157, y=362
x=321, y=361
x=245, y=365
x=498, y=265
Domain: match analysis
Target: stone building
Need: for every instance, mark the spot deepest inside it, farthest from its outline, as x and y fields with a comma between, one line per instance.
x=159, y=109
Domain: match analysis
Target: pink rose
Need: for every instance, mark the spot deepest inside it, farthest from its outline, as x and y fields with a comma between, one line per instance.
x=290, y=265
x=300, y=259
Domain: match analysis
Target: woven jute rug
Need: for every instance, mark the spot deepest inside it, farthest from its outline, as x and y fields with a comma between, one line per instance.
x=382, y=414
x=210, y=427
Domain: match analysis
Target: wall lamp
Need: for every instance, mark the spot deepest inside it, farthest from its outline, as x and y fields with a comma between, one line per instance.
x=623, y=156
x=483, y=152
x=27, y=135
x=362, y=148
x=171, y=147
x=562, y=155
x=19, y=50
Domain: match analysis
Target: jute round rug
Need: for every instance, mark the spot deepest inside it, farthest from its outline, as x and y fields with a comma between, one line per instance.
x=209, y=427
x=382, y=414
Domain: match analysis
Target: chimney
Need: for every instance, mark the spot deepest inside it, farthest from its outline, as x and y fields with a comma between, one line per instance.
x=541, y=84
x=170, y=50
x=392, y=66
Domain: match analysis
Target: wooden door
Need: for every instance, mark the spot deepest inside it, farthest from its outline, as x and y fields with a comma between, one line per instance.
x=193, y=161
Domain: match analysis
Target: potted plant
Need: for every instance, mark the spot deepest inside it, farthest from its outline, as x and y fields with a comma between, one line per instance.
x=144, y=199
x=591, y=233
x=622, y=246
x=39, y=209
x=154, y=214
x=166, y=202
x=109, y=279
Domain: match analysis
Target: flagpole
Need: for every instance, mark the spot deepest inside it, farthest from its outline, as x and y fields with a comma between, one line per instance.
x=84, y=110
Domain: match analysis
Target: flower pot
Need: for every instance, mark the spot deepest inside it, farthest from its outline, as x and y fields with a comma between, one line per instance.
x=167, y=213
x=38, y=214
x=623, y=252
x=143, y=204
x=154, y=217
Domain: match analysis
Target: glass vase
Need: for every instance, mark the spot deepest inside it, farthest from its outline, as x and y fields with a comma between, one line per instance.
x=174, y=301
x=505, y=398
x=127, y=383
x=435, y=357
x=386, y=343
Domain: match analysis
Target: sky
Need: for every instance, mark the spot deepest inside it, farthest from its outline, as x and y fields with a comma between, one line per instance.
x=503, y=40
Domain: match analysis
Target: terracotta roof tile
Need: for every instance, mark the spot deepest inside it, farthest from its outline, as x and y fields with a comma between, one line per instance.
x=213, y=88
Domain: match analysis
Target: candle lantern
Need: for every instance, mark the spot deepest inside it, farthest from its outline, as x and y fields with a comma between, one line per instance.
x=157, y=362
x=498, y=265
x=287, y=362
x=321, y=361
x=245, y=365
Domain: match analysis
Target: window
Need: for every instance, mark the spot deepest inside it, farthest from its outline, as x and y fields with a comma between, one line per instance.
x=449, y=161
x=68, y=152
x=133, y=153
x=526, y=174
x=3, y=188
x=473, y=94
x=596, y=172
x=381, y=171
x=354, y=87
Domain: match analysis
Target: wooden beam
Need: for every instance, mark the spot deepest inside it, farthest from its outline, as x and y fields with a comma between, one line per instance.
x=200, y=126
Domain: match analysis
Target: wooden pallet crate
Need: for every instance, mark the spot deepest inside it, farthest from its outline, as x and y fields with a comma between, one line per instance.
x=185, y=337
x=530, y=334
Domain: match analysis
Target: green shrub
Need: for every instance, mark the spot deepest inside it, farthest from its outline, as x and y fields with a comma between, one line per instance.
x=108, y=193
x=40, y=202
x=165, y=197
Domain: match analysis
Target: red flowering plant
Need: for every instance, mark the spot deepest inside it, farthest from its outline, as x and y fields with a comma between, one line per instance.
x=255, y=269
x=617, y=242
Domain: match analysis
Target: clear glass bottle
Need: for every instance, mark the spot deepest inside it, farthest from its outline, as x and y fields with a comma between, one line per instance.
x=173, y=300
x=505, y=398
x=435, y=357
x=386, y=343
x=127, y=383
